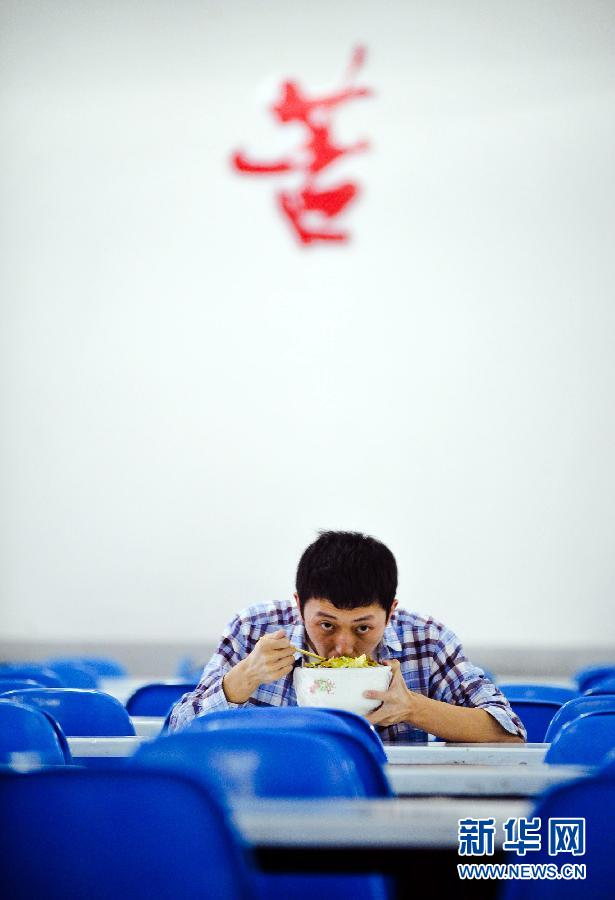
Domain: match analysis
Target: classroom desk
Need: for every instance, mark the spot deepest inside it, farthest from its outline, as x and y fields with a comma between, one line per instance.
x=438, y=753
x=478, y=781
x=409, y=755
x=401, y=823
x=105, y=747
x=148, y=726
x=406, y=780
x=413, y=840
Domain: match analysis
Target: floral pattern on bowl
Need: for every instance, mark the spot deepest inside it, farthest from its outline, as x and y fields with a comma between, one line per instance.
x=323, y=686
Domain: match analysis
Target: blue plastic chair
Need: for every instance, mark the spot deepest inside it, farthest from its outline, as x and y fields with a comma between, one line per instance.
x=157, y=698
x=325, y=720
x=589, y=675
x=536, y=715
x=604, y=686
x=74, y=675
x=530, y=691
x=361, y=726
x=585, y=741
x=269, y=762
x=188, y=670
x=118, y=834
x=577, y=707
x=372, y=781
x=17, y=684
x=30, y=737
x=591, y=798
x=39, y=673
x=80, y=713
x=100, y=666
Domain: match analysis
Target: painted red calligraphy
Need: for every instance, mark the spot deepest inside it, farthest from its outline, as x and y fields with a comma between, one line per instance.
x=302, y=204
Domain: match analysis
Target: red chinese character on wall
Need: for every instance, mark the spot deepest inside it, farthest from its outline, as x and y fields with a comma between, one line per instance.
x=319, y=151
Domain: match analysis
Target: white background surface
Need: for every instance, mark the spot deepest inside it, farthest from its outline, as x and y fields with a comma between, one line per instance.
x=188, y=395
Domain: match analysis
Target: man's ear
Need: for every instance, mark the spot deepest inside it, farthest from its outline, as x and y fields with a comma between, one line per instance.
x=394, y=606
x=296, y=596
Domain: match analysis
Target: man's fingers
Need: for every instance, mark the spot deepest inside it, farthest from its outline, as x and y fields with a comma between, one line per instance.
x=374, y=695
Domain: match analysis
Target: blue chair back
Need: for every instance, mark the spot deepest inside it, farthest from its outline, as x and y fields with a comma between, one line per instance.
x=577, y=707
x=530, y=691
x=157, y=698
x=590, y=798
x=589, y=675
x=100, y=666
x=536, y=715
x=17, y=684
x=81, y=713
x=604, y=686
x=117, y=834
x=40, y=673
x=267, y=762
x=361, y=726
x=189, y=670
x=74, y=675
x=585, y=741
x=322, y=720
x=29, y=737
x=257, y=762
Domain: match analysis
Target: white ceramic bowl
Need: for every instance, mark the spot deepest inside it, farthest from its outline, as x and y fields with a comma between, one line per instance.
x=340, y=688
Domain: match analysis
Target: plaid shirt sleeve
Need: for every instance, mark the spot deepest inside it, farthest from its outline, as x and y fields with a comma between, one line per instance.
x=235, y=644
x=454, y=679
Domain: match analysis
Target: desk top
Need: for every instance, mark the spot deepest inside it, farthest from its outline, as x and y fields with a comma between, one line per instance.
x=478, y=781
x=438, y=753
x=396, y=823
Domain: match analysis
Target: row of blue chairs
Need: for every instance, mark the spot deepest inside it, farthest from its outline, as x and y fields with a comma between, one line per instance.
x=61, y=818
x=78, y=672
x=228, y=755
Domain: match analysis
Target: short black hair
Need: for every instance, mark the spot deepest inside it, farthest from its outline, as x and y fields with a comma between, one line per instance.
x=349, y=569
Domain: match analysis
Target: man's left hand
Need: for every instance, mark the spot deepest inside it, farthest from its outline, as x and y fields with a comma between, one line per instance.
x=396, y=701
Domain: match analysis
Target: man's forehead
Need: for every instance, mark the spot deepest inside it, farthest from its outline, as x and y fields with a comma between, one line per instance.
x=319, y=608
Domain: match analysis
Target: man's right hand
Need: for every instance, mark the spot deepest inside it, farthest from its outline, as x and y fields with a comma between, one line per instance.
x=271, y=659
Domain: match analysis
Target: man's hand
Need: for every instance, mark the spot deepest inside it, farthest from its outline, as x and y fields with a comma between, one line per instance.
x=396, y=702
x=271, y=659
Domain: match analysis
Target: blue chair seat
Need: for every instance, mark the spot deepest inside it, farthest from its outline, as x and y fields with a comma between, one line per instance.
x=40, y=673
x=603, y=686
x=591, y=799
x=100, y=666
x=577, y=707
x=17, y=684
x=536, y=715
x=141, y=835
x=585, y=741
x=590, y=675
x=278, y=762
x=531, y=691
x=81, y=713
x=294, y=717
x=30, y=737
x=157, y=698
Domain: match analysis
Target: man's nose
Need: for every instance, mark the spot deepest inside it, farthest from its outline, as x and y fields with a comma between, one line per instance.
x=344, y=645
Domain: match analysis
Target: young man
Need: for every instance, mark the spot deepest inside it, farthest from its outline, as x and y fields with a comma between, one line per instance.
x=344, y=606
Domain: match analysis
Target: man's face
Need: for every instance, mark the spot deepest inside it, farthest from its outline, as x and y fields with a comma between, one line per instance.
x=344, y=632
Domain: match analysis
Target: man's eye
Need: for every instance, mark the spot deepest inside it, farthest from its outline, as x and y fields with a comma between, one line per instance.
x=326, y=626
x=363, y=629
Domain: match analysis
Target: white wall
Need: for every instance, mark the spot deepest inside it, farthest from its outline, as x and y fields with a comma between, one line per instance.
x=188, y=394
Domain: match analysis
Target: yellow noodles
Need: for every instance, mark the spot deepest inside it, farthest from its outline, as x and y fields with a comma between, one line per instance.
x=344, y=662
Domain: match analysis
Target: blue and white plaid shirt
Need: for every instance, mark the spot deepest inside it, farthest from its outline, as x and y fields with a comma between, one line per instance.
x=431, y=658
